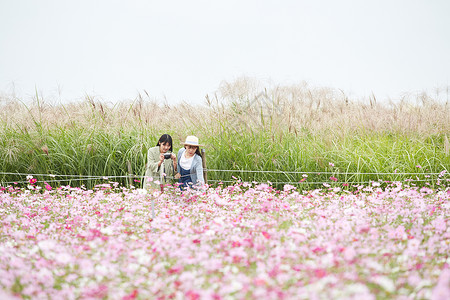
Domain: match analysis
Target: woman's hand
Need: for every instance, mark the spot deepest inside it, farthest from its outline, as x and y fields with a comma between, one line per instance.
x=161, y=159
x=174, y=160
x=177, y=176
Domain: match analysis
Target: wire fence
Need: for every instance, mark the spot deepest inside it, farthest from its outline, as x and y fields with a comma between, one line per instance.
x=430, y=177
x=319, y=172
x=331, y=177
x=322, y=182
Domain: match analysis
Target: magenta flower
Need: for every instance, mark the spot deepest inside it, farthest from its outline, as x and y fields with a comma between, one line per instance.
x=132, y=295
x=266, y=234
x=47, y=186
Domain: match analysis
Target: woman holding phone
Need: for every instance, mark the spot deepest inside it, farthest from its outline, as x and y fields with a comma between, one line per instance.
x=161, y=164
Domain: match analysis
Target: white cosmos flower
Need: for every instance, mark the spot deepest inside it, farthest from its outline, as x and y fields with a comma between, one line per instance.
x=142, y=191
x=385, y=283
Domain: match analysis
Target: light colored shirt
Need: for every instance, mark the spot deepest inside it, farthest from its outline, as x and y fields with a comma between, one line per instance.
x=185, y=162
x=196, y=169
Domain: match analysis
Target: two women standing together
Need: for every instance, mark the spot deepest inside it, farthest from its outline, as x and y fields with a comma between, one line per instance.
x=163, y=166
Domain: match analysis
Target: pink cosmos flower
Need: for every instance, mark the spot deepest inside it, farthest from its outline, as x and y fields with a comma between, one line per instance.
x=192, y=295
x=288, y=187
x=263, y=187
x=132, y=295
x=266, y=234
x=320, y=273
x=227, y=251
x=439, y=224
x=442, y=290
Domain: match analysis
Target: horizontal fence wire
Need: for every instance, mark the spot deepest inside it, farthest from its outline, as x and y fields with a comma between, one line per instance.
x=306, y=182
x=79, y=177
x=71, y=177
x=56, y=180
x=318, y=172
x=326, y=182
x=237, y=171
x=64, y=175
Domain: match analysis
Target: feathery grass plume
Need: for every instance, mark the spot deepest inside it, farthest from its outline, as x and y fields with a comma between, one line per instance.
x=246, y=125
x=45, y=149
x=446, y=146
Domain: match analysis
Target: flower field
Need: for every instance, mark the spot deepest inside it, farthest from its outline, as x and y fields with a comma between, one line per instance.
x=245, y=241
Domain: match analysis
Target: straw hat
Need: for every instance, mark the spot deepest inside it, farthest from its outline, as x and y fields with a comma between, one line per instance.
x=193, y=141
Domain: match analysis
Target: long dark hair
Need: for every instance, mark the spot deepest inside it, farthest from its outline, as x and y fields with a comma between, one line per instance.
x=197, y=151
x=165, y=138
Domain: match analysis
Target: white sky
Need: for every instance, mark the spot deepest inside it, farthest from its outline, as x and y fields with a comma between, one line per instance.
x=182, y=50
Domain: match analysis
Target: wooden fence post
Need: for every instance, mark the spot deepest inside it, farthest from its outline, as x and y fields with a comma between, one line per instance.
x=205, y=172
x=130, y=174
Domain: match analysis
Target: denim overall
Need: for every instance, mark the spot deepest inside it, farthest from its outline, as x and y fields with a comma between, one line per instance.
x=185, y=178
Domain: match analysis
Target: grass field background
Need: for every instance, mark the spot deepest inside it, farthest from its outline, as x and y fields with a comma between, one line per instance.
x=245, y=127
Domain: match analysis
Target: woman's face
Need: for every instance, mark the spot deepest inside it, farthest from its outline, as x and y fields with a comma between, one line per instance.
x=163, y=148
x=190, y=150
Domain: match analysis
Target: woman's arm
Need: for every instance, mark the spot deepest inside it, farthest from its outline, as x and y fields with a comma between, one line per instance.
x=199, y=170
x=177, y=174
x=180, y=152
x=175, y=163
x=171, y=166
x=154, y=159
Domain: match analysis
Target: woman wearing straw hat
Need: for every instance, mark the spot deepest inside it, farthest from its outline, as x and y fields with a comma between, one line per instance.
x=190, y=169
